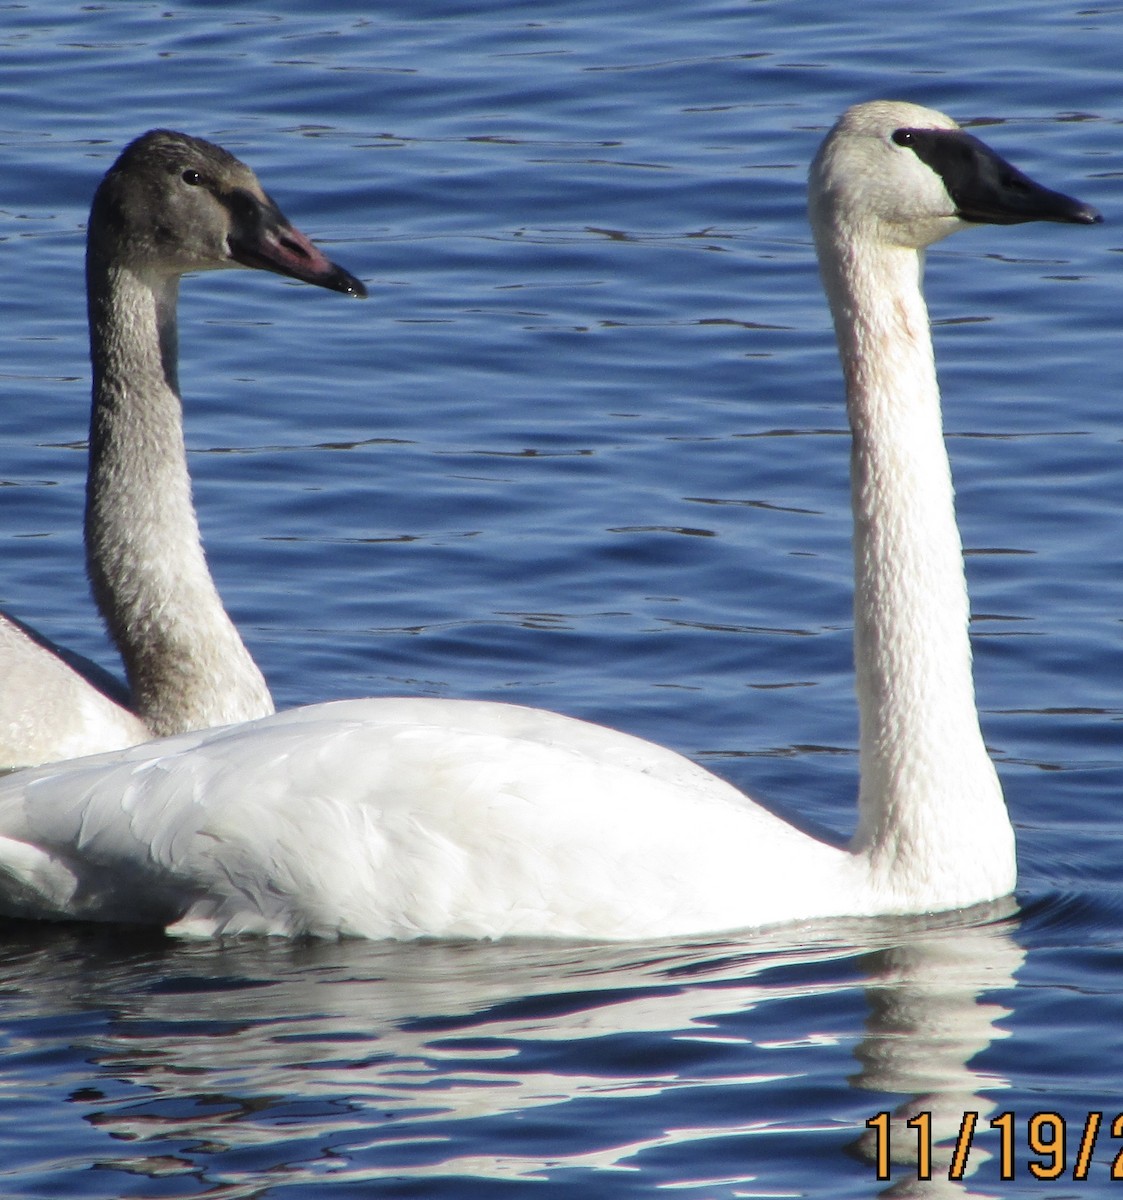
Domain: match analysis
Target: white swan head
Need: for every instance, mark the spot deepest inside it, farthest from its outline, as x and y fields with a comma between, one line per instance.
x=173, y=203
x=897, y=174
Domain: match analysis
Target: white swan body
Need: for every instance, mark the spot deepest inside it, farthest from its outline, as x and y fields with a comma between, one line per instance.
x=416, y=818
x=51, y=708
x=169, y=205
x=405, y=818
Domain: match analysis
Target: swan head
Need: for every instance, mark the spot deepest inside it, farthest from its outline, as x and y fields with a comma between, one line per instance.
x=173, y=203
x=902, y=175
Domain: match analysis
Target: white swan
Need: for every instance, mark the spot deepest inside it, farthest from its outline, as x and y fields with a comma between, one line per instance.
x=411, y=817
x=169, y=205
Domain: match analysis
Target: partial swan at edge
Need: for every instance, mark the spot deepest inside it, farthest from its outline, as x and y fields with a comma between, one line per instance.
x=415, y=817
x=169, y=205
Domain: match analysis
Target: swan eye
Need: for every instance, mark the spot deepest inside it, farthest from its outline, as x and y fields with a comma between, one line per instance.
x=904, y=137
x=192, y=178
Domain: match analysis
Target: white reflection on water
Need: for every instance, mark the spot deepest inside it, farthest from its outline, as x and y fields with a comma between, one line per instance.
x=390, y=1062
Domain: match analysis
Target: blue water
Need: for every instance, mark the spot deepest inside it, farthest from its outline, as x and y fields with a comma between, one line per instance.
x=583, y=448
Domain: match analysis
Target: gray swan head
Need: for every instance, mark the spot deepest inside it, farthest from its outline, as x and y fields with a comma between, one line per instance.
x=173, y=203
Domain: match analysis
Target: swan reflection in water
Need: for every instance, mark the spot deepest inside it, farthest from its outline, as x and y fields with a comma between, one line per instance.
x=702, y=1063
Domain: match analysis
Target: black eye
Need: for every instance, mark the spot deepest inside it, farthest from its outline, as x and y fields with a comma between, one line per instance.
x=192, y=178
x=903, y=137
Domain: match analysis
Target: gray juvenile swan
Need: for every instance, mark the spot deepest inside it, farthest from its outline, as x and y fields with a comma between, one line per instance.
x=169, y=205
x=444, y=818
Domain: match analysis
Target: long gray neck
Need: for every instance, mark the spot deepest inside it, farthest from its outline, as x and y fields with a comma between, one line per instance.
x=186, y=664
x=930, y=804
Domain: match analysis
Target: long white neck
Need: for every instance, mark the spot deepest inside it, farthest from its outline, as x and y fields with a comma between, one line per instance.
x=186, y=664
x=931, y=813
